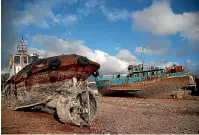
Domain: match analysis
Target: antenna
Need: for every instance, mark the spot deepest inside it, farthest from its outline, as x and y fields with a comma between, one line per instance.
x=161, y=65
x=142, y=57
x=186, y=66
x=22, y=47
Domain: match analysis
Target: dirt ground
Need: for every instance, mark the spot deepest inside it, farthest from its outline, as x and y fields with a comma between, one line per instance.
x=115, y=115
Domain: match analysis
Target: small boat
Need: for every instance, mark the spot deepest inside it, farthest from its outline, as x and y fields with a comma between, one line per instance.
x=55, y=83
x=146, y=81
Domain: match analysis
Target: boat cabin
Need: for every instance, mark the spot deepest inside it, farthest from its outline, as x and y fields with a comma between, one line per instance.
x=147, y=71
x=144, y=71
x=115, y=75
x=16, y=61
x=21, y=59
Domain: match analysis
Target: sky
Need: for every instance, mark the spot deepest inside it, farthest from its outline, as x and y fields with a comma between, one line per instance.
x=110, y=32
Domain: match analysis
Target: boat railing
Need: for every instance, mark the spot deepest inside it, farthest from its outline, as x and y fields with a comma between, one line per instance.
x=123, y=80
x=117, y=81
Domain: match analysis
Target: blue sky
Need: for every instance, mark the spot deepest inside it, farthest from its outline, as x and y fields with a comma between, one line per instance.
x=108, y=31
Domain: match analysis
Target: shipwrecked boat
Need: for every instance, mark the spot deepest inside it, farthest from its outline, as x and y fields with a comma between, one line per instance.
x=147, y=81
x=54, y=84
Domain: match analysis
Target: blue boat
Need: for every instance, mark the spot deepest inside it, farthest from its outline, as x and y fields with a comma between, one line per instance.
x=146, y=81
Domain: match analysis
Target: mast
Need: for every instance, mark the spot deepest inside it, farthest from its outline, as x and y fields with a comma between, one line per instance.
x=142, y=57
x=22, y=49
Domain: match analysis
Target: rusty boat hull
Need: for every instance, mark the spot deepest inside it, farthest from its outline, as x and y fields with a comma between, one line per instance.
x=154, y=88
x=56, y=69
x=55, y=84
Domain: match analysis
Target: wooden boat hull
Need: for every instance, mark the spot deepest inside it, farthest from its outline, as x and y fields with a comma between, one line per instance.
x=57, y=83
x=156, y=88
x=65, y=67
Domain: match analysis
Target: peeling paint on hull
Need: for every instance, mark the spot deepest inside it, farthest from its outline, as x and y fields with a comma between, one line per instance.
x=58, y=83
x=157, y=88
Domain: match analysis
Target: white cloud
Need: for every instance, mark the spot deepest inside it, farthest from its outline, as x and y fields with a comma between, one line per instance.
x=140, y=50
x=195, y=69
x=70, y=19
x=91, y=6
x=40, y=14
x=36, y=14
x=52, y=45
x=91, y=3
x=157, y=47
x=115, y=14
x=126, y=56
x=68, y=34
x=188, y=62
x=32, y=50
x=117, y=49
x=110, y=63
x=5, y=70
x=163, y=63
x=160, y=20
x=168, y=64
x=151, y=51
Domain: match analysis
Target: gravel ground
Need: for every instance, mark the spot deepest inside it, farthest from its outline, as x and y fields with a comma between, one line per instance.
x=115, y=115
x=131, y=115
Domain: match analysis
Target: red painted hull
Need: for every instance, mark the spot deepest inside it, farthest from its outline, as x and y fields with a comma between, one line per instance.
x=68, y=68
